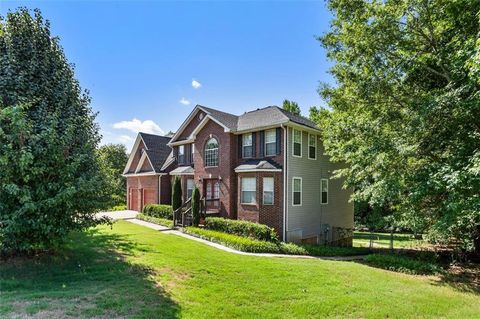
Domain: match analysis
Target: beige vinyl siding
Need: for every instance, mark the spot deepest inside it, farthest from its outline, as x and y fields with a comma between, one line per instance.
x=308, y=218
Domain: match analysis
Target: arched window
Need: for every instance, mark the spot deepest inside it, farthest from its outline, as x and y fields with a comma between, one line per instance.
x=211, y=152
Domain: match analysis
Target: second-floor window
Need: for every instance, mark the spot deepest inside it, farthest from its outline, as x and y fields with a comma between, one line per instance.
x=247, y=145
x=211, y=152
x=270, y=142
x=297, y=143
x=181, y=154
x=312, y=146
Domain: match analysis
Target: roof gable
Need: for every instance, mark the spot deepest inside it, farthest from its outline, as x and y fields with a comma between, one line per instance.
x=149, y=148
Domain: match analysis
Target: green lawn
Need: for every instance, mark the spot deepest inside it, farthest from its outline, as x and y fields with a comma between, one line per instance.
x=382, y=240
x=135, y=272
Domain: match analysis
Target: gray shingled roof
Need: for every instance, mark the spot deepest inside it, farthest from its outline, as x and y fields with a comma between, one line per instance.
x=227, y=119
x=268, y=116
x=157, y=149
x=254, y=164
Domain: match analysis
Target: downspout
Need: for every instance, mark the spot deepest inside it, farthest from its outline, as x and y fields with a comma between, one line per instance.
x=285, y=183
x=160, y=189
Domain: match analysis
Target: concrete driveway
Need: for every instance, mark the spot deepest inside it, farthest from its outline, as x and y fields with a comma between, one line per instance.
x=121, y=214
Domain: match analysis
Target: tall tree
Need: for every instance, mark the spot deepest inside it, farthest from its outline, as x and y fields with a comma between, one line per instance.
x=50, y=181
x=291, y=106
x=112, y=159
x=406, y=109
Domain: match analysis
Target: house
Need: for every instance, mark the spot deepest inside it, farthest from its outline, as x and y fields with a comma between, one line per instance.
x=265, y=166
x=147, y=171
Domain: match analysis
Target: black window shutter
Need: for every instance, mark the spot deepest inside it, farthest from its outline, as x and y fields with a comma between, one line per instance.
x=240, y=144
x=279, y=140
x=175, y=153
x=254, y=144
x=262, y=143
x=188, y=154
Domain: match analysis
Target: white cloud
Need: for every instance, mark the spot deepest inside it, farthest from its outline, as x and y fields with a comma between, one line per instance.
x=112, y=138
x=136, y=125
x=184, y=101
x=196, y=84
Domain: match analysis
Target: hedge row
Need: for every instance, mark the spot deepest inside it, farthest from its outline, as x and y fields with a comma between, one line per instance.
x=158, y=211
x=233, y=241
x=241, y=228
x=159, y=221
x=248, y=244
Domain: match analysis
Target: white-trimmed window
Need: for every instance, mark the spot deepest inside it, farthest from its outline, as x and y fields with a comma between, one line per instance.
x=192, y=148
x=312, y=146
x=247, y=145
x=211, y=152
x=324, y=191
x=190, y=186
x=297, y=143
x=270, y=142
x=248, y=190
x=181, y=154
x=268, y=191
x=297, y=191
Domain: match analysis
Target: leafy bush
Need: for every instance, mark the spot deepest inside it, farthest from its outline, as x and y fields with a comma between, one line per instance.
x=241, y=228
x=118, y=207
x=403, y=264
x=158, y=211
x=325, y=251
x=233, y=241
x=315, y=250
x=156, y=220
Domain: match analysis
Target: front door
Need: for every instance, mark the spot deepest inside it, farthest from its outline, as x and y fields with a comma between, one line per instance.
x=212, y=194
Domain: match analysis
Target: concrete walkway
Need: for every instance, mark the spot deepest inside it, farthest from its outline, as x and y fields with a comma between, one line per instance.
x=167, y=230
x=120, y=214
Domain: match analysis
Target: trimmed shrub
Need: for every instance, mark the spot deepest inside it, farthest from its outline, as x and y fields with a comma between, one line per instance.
x=155, y=220
x=241, y=228
x=196, y=206
x=403, y=264
x=233, y=241
x=177, y=194
x=118, y=207
x=158, y=211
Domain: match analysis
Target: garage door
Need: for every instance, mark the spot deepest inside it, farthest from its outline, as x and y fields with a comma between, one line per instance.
x=149, y=196
x=133, y=199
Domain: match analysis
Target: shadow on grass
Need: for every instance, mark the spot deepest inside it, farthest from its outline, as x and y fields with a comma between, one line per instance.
x=87, y=278
x=462, y=277
x=465, y=278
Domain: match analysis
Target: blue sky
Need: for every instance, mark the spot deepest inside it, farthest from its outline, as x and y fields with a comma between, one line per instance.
x=139, y=60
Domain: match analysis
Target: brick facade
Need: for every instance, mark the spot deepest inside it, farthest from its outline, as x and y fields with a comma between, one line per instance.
x=141, y=190
x=224, y=172
x=229, y=158
x=271, y=215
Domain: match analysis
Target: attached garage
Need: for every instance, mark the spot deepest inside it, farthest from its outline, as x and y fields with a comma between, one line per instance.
x=133, y=199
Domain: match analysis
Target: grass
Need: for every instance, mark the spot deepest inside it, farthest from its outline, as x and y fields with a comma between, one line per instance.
x=130, y=271
x=405, y=264
x=382, y=240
